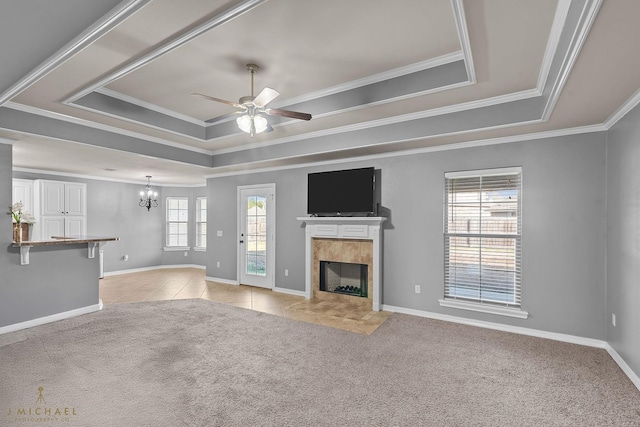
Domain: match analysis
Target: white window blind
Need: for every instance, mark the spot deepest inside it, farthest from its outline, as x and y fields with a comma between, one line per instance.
x=201, y=222
x=482, y=238
x=177, y=221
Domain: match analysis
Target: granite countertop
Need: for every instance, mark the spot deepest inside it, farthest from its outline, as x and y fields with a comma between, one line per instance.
x=65, y=240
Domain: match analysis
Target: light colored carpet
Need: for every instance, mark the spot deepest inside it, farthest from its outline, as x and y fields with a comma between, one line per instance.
x=200, y=363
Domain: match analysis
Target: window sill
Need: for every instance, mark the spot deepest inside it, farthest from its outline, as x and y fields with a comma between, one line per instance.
x=197, y=249
x=176, y=248
x=484, y=308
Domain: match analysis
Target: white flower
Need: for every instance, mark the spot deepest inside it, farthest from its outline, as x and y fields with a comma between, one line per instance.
x=19, y=216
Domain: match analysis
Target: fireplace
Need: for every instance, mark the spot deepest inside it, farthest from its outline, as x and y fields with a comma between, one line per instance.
x=344, y=278
x=344, y=240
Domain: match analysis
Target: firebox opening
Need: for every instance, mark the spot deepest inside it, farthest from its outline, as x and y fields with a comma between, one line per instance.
x=344, y=278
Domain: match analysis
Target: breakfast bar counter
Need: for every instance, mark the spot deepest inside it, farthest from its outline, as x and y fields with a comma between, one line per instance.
x=92, y=243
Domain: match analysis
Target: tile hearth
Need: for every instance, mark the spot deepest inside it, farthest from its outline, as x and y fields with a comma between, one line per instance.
x=182, y=283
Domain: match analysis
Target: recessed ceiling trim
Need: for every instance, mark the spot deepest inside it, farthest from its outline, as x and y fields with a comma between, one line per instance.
x=581, y=30
x=102, y=178
x=499, y=116
x=423, y=150
x=450, y=109
x=91, y=34
x=376, y=78
x=99, y=126
x=105, y=105
x=463, y=35
x=149, y=106
x=622, y=111
x=7, y=141
x=175, y=43
x=559, y=19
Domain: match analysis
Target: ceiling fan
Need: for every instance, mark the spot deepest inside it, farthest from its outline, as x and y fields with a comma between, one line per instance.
x=252, y=109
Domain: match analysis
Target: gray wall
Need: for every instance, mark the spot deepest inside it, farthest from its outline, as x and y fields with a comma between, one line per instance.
x=178, y=257
x=623, y=239
x=46, y=286
x=113, y=211
x=563, y=228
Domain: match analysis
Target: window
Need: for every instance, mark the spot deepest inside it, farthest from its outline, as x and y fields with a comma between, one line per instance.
x=201, y=223
x=482, y=240
x=177, y=222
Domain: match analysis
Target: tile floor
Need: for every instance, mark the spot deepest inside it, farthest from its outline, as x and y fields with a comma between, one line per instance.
x=182, y=283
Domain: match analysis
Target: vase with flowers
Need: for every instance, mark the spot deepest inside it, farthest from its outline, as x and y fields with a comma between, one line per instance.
x=21, y=220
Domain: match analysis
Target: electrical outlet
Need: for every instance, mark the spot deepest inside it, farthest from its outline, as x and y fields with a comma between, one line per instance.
x=218, y=264
x=186, y=253
x=417, y=289
x=219, y=233
x=613, y=319
x=286, y=272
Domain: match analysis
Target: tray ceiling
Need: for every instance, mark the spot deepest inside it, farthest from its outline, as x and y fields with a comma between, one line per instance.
x=377, y=76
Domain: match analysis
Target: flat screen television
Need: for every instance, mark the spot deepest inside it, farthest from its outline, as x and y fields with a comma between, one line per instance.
x=341, y=193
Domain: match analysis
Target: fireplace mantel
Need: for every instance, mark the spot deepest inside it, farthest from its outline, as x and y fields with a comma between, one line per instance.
x=361, y=228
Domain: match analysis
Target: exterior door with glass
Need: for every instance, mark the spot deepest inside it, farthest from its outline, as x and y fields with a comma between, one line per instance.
x=256, y=235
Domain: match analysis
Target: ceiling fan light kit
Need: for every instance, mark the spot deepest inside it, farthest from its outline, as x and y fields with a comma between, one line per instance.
x=253, y=108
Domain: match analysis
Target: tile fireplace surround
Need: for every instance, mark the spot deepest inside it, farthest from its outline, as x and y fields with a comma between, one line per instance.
x=344, y=239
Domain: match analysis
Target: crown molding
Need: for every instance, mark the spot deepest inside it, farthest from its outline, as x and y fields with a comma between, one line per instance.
x=173, y=44
x=579, y=36
x=99, y=178
x=99, y=126
x=376, y=78
x=147, y=105
x=91, y=34
x=423, y=150
x=622, y=111
x=559, y=20
x=463, y=35
x=7, y=141
x=517, y=96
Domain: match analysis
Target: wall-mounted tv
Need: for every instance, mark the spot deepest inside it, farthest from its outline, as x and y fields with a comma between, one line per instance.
x=341, y=193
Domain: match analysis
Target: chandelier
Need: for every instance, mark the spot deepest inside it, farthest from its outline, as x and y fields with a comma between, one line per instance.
x=148, y=197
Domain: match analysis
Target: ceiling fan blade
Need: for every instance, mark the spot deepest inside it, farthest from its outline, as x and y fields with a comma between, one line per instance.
x=266, y=96
x=223, y=117
x=224, y=101
x=287, y=113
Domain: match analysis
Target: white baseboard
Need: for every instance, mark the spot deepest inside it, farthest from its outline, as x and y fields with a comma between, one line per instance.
x=155, y=267
x=219, y=280
x=290, y=292
x=573, y=339
x=52, y=318
x=623, y=365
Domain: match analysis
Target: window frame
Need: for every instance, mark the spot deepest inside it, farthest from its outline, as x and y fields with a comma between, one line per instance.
x=168, y=246
x=512, y=309
x=199, y=222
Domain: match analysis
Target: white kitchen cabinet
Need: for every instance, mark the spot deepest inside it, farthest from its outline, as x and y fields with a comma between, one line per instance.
x=60, y=198
x=23, y=192
x=61, y=209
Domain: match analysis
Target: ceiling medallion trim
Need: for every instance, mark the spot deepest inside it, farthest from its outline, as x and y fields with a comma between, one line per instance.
x=101, y=27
